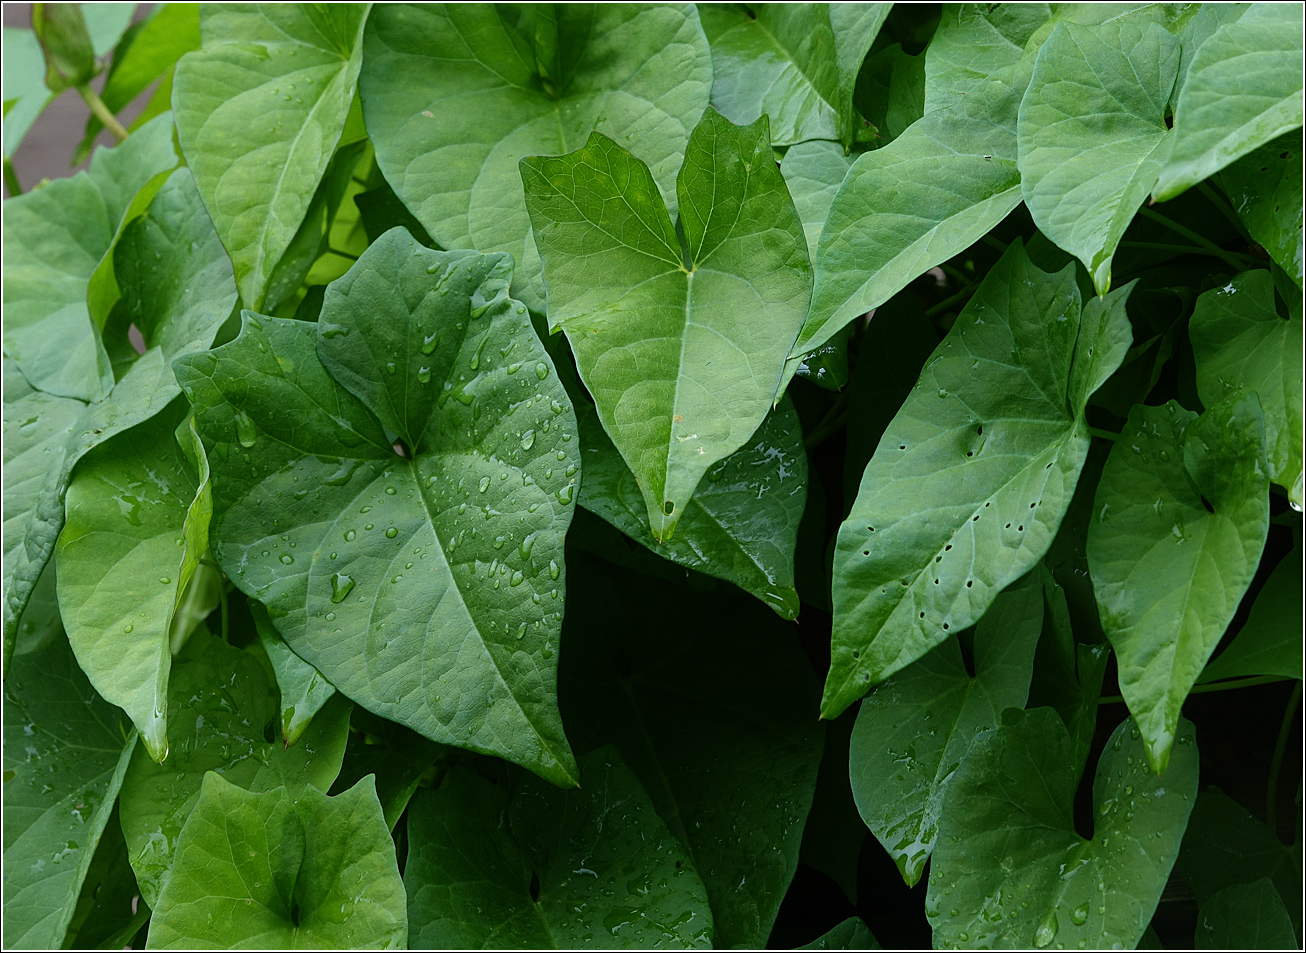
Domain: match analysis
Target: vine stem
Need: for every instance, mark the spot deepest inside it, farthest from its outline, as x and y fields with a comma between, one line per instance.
x=11, y=179
x=1276, y=762
x=102, y=112
x=834, y=418
x=1104, y=434
x=949, y=301
x=1213, y=687
x=1225, y=209
x=1197, y=239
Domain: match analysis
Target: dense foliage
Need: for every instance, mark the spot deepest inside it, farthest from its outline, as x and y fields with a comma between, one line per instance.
x=446, y=448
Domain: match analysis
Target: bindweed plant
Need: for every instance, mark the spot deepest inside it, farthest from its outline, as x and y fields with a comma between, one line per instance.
x=447, y=449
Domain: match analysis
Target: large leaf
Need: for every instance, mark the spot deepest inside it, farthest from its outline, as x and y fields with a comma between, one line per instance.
x=1092, y=135
x=972, y=42
x=285, y=869
x=797, y=63
x=713, y=713
x=456, y=94
x=65, y=753
x=1265, y=187
x=221, y=705
x=742, y=522
x=260, y=108
x=1183, y=511
x=426, y=585
x=973, y=476
x=1240, y=344
x=136, y=526
x=25, y=92
x=681, y=345
x=54, y=238
x=1011, y=871
x=541, y=868
x=913, y=730
x=1243, y=88
x=1270, y=641
x=1245, y=917
x=928, y=195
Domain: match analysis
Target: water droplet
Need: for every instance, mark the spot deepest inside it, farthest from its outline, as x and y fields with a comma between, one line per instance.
x=553, y=569
x=391, y=533
x=516, y=578
x=528, y=440
x=246, y=432
x=341, y=586
x=424, y=375
x=428, y=343
x=165, y=580
x=484, y=484
x=1079, y=916
x=541, y=370
x=129, y=628
x=390, y=367
x=1047, y=930
x=565, y=494
x=350, y=535
x=287, y=559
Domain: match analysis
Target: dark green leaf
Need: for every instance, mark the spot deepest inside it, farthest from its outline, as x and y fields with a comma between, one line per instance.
x=594, y=867
x=1270, y=641
x=396, y=756
x=834, y=833
x=1010, y=862
x=1182, y=513
x=1265, y=187
x=288, y=868
x=1245, y=917
x=110, y=911
x=852, y=934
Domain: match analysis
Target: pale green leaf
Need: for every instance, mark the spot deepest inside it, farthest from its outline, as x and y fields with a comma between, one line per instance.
x=456, y=94
x=1011, y=863
x=972, y=478
x=425, y=582
x=1182, y=514
x=741, y=523
x=813, y=172
x=797, y=63
x=65, y=751
x=1243, y=89
x=25, y=92
x=1245, y=917
x=1265, y=188
x=260, y=108
x=1270, y=641
x=1092, y=134
x=1241, y=344
x=289, y=868
x=973, y=41
x=302, y=688
x=542, y=868
x=682, y=347
x=220, y=704
x=913, y=730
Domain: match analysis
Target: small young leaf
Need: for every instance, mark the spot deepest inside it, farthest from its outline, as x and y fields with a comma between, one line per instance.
x=543, y=868
x=283, y=869
x=302, y=688
x=1182, y=514
x=69, y=56
x=682, y=347
x=1010, y=862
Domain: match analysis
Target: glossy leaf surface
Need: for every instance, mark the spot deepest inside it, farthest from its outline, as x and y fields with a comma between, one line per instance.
x=302, y=688
x=1265, y=187
x=283, y=869
x=426, y=586
x=1011, y=863
x=681, y=346
x=541, y=868
x=1182, y=513
x=971, y=479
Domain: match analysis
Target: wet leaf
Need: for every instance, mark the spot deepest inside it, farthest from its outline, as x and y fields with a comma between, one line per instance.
x=1265, y=188
x=1245, y=917
x=302, y=688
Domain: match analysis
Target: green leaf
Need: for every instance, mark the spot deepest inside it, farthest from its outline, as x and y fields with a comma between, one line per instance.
x=813, y=172
x=913, y=730
x=1011, y=863
x=1245, y=917
x=146, y=52
x=40, y=622
x=973, y=476
x=797, y=63
x=397, y=757
x=25, y=92
x=1243, y=88
x=1270, y=641
x=973, y=41
x=1265, y=187
x=69, y=56
x=284, y=869
x=1241, y=344
x=1092, y=135
x=742, y=522
x=54, y=239
x=545, y=868
x=715, y=703
x=455, y=94
x=462, y=648
x=890, y=95
x=852, y=934
x=135, y=528
x=260, y=108
x=682, y=347
x=302, y=688
x=931, y=193
x=65, y=750
x=105, y=22
x=220, y=703
x=105, y=918
x=1183, y=511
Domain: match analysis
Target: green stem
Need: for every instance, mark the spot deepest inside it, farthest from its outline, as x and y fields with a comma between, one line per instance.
x=1280, y=745
x=1104, y=434
x=102, y=112
x=1225, y=209
x=11, y=180
x=1188, y=250
x=225, y=611
x=956, y=274
x=342, y=254
x=1192, y=236
x=1212, y=687
x=949, y=301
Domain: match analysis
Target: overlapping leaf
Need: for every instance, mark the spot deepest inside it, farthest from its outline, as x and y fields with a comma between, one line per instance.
x=260, y=108
x=456, y=94
x=1183, y=511
x=972, y=42
x=1270, y=641
x=1265, y=188
x=971, y=479
x=284, y=869
x=424, y=582
x=681, y=345
x=1010, y=870
x=302, y=688
x=543, y=868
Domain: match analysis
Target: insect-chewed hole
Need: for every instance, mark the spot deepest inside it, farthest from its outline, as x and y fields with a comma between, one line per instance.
x=1207, y=503
x=969, y=583
x=668, y=507
x=866, y=552
x=402, y=450
x=945, y=627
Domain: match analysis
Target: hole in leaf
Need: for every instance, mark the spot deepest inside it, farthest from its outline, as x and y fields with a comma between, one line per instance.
x=668, y=507
x=403, y=451
x=1207, y=503
x=136, y=338
x=969, y=583
x=535, y=885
